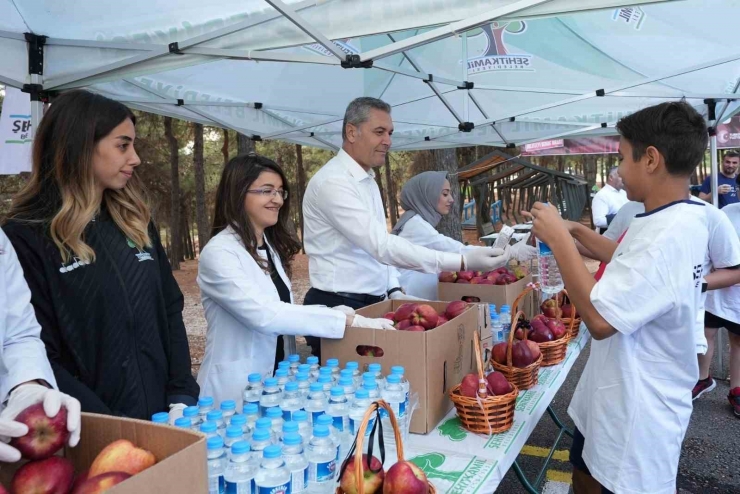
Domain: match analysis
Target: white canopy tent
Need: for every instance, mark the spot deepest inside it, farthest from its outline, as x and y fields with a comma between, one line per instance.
x=535, y=69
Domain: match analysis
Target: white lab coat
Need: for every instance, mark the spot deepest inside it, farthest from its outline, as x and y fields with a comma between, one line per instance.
x=22, y=353
x=419, y=232
x=245, y=317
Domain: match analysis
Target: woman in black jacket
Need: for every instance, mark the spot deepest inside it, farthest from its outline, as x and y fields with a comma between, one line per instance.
x=102, y=288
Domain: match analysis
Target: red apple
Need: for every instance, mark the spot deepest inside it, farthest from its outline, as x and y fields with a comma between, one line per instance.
x=403, y=325
x=466, y=275
x=405, y=478
x=79, y=480
x=416, y=328
x=476, y=280
x=469, y=386
x=520, y=355
x=519, y=333
x=534, y=349
x=3, y=490
x=372, y=478
x=447, y=277
x=122, y=456
x=424, y=316
x=557, y=327
x=568, y=311
x=50, y=476
x=442, y=320
x=389, y=315
x=497, y=384
x=499, y=352
x=404, y=312
x=463, y=282
x=46, y=435
x=455, y=308
x=485, y=281
x=541, y=335
x=549, y=308
x=101, y=483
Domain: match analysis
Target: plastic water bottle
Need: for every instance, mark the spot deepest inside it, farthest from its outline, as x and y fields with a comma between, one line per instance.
x=338, y=410
x=326, y=382
x=240, y=421
x=216, y=465
x=183, y=423
x=303, y=384
x=161, y=418
x=316, y=403
x=313, y=361
x=333, y=364
x=295, y=361
x=497, y=330
x=357, y=413
x=276, y=416
x=272, y=477
x=261, y=439
x=228, y=409
x=239, y=475
x=322, y=462
x=234, y=434
x=210, y=429
x=355, y=368
x=372, y=388
x=292, y=400
x=284, y=364
x=406, y=386
x=304, y=368
x=304, y=428
x=217, y=417
x=193, y=414
x=326, y=371
x=205, y=405
x=333, y=433
x=289, y=426
x=253, y=392
x=265, y=423
x=295, y=462
x=550, y=280
x=347, y=383
x=271, y=395
x=282, y=376
x=377, y=370
x=394, y=395
x=505, y=318
x=251, y=411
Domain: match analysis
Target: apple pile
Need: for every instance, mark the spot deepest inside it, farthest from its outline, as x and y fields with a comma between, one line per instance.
x=423, y=317
x=49, y=474
x=523, y=353
x=500, y=276
x=542, y=329
x=402, y=478
x=561, y=304
x=496, y=384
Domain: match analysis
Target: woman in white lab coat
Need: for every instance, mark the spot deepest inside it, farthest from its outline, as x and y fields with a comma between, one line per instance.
x=425, y=198
x=244, y=278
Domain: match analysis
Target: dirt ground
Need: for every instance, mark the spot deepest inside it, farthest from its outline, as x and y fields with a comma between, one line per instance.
x=195, y=321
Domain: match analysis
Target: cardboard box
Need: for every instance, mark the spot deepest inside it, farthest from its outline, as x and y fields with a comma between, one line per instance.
x=435, y=361
x=181, y=455
x=490, y=294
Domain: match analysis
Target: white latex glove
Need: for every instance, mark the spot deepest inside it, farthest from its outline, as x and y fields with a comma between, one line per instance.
x=176, y=411
x=523, y=252
x=26, y=395
x=486, y=258
x=399, y=295
x=8, y=429
x=347, y=311
x=366, y=322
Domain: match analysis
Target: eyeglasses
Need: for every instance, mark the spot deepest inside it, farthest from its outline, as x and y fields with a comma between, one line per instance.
x=270, y=193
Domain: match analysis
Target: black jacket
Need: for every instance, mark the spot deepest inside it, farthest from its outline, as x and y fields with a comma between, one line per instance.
x=113, y=329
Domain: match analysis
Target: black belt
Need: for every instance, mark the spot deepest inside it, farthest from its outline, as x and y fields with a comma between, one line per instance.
x=360, y=297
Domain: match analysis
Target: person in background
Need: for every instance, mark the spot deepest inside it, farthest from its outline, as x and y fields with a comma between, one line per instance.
x=634, y=396
x=608, y=201
x=101, y=285
x=352, y=258
x=726, y=186
x=26, y=377
x=244, y=279
x=426, y=198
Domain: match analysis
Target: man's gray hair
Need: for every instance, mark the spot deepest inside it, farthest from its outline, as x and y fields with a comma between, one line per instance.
x=613, y=171
x=358, y=111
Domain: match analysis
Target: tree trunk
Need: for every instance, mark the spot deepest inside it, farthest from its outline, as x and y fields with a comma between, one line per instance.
x=391, y=190
x=225, y=147
x=201, y=217
x=379, y=181
x=244, y=144
x=175, y=194
x=446, y=160
x=300, y=174
x=589, y=169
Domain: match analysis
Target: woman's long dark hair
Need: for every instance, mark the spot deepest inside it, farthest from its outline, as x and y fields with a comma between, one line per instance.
x=238, y=176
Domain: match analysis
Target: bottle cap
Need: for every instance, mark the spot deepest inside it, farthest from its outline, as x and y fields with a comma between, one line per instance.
x=290, y=426
x=505, y=308
x=255, y=378
x=190, y=411
x=361, y=394
x=337, y=391
x=292, y=439
x=240, y=420
x=368, y=385
x=312, y=360
x=215, y=442
x=284, y=364
x=206, y=401
x=304, y=368
x=228, y=405
x=183, y=422
x=325, y=371
x=332, y=362
x=394, y=379
x=301, y=376
x=374, y=367
x=324, y=379
x=368, y=376
x=208, y=427
x=324, y=419
x=320, y=430
x=250, y=409
x=264, y=423
x=272, y=451
x=294, y=358
x=346, y=373
x=215, y=415
x=398, y=369
x=291, y=386
x=283, y=372
x=346, y=381
x=239, y=448
x=271, y=382
x=161, y=418
x=261, y=435
x=316, y=387
x=352, y=365
x=273, y=413
x=234, y=431
x=300, y=416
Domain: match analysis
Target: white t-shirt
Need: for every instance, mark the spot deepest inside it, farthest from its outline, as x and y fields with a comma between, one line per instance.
x=633, y=401
x=725, y=303
x=607, y=201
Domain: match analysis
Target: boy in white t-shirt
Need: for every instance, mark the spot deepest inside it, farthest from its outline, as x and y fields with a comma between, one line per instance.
x=632, y=404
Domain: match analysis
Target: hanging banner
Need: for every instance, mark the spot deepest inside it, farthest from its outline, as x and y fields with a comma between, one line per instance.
x=16, y=134
x=728, y=135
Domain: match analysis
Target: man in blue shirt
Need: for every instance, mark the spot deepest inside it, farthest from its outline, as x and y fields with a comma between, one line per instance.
x=726, y=186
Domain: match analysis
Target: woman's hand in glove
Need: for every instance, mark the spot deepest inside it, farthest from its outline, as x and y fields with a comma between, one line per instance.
x=366, y=322
x=486, y=258
x=523, y=252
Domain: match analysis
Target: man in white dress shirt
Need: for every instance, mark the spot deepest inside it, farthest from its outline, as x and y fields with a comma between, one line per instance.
x=352, y=256
x=608, y=201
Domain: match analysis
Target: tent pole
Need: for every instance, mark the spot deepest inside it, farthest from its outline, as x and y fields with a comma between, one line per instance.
x=37, y=106
x=464, y=75
x=714, y=170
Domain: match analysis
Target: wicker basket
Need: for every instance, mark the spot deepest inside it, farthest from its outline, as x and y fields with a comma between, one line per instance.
x=359, y=445
x=522, y=378
x=553, y=352
x=574, y=324
x=484, y=415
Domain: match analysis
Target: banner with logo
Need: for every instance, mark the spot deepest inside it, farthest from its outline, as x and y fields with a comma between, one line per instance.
x=16, y=135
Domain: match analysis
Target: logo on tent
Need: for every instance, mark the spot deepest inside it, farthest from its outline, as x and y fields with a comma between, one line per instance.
x=496, y=56
x=343, y=45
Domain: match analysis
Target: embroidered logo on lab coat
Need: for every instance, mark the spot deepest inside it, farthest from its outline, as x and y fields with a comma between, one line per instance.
x=142, y=255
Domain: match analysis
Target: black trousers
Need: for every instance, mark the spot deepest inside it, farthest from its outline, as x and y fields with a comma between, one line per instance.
x=318, y=297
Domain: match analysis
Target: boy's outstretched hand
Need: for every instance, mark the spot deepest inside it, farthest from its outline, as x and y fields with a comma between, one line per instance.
x=547, y=224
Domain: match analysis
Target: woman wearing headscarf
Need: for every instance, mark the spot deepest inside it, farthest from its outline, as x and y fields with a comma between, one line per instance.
x=425, y=199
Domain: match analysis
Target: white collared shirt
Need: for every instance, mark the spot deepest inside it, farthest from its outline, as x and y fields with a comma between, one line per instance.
x=607, y=201
x=347, y=241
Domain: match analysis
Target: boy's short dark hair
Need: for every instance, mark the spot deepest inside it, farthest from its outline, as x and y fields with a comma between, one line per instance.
x=675, y=129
